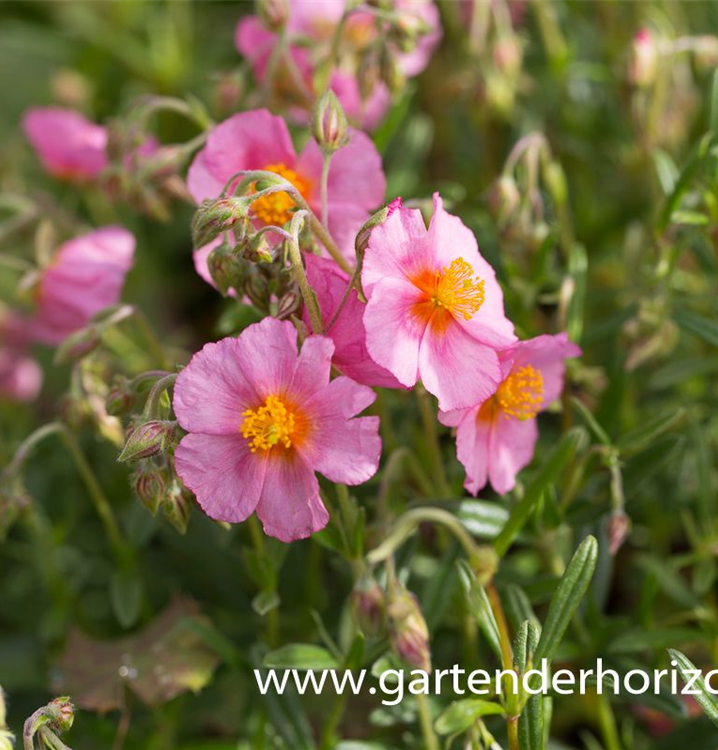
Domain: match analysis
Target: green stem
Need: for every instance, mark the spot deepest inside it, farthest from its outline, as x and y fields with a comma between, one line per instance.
x=257, y=535
x=431, y=741
x=300, y=276
x=607, y=722
x=427, y=417
x=154, y=400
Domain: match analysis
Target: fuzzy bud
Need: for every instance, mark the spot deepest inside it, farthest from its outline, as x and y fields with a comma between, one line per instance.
x=149, y=485
x=273, y=14
x=120, y=400
x=408, y=632
x=177, y=506
x=618, y=527
x=148, y=439
x=643, y=63
x=61, y=714
x=329, y=123
x=225, y=268
x=289, y=305
x=369, y=606
x=259, y=249
x=214, y=217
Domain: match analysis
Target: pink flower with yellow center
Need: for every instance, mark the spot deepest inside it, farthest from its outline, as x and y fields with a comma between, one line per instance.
x=262, y=418
x=496, y=438
x=435, y=309
x=260, y=140
x=85, y=276
x=69, y=146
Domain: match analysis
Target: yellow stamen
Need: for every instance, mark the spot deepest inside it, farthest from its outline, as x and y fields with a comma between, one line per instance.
x=269, y=425
x=521, y=394
x=277, y=208
x=458, y=290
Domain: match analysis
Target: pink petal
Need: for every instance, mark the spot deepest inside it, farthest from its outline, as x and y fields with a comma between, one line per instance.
x=68, y=145
x=268, y=353
x=366, y=114
x=512, y=448
x=473, y=438
x=351, y=356
x=341, y=448
x=211, y=393
x=255, y=43
x=290, y=507
x=393, y=334
x=225, y=477
x=456, y=368
x=398, y=248
x=201, y=183
x=412, y=63
x=312, y=369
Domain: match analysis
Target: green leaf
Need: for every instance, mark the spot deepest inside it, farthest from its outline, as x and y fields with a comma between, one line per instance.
x=461, y=715
x=640, y=640
x=714, y=104
x=550, y=470
x=531, y=721
x=517, y=605
x=697, y=325
x=578, y=271
x=706, y=700
x=567, y=598
x=646, y=433
x=482, y=519
x=300, y=656
x=126, y=596
x=480, y=606
x=265, y=602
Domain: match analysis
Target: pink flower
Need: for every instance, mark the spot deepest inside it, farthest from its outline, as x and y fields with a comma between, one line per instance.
x=496, y=438
x=262, y=419
x=329, y=283
x=69, y=146
x=260, y=140
x=435, y=310
x=310, y=28
x=85, y=276
x=20, y=375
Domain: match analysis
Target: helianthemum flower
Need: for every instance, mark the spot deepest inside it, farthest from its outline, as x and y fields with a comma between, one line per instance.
x=69, y=146
x=85, y=276
x=262, y=418
x=496, y=438
x=435, y=309
x=259, y=140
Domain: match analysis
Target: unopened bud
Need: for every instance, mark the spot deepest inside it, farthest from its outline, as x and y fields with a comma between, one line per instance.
x=485, y=563
x=6, y=740
x=177, y=505
x=369, y=606
x=120, y=400
x=329, y=123
x=78, y=345
x=273, y=14
x=643, y=64
x=225, y=268
x=289, y=305
x=617, y=528
x=706, y=52
x=61, y=714
x=259, y=249
x=408, y=632
x=149, y=485
x=148, y=439
x=214, y=217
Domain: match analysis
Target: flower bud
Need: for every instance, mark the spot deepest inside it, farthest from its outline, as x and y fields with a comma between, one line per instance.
x=214, y=217
x=225, y=268
x=259, y=249
x=177, y=505
x=149, y=485
x=408, y=632
x=369, y=606
x=329, y=123
x=289, y=305
x=148, y=439
x=120, y=399
x=643, y=63
x=61, y=714
x=78, y=345
x=375, y=220
x=706, y=52
x=6, y=740
x=273, y=14
x=618, y=527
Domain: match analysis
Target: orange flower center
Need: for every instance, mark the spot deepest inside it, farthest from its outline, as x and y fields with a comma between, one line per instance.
x=277, y=208
x=454, y=291
x=521, y=394
x=269, y=425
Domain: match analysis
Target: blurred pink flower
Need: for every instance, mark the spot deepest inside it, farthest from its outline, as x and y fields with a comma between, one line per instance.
x=496, y=438
x=435, y=310
x=311, y=25
x=262, y=419
x=85, y=276
x=329, y=283
x=20, y=375
x=69, y=146
x=261, y=140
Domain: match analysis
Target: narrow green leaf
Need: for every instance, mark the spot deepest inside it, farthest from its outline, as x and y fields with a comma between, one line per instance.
x=482, y=519
x=300, y=656
x=578, y=271
x=126, y=597
x=461, y=715
x=531, y=721
x=480, y=607
x=697, y=325
x=714, y=104
x=517, y=605
x=646, y=433
x=705, y=699
x=548, y=473
x=588, y=417
x=640, y=640
x=567, y=598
